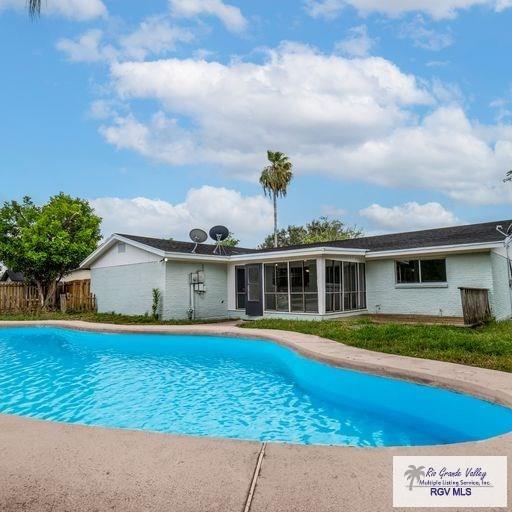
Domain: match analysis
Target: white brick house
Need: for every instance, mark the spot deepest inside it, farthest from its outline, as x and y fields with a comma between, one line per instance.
x=414, y=273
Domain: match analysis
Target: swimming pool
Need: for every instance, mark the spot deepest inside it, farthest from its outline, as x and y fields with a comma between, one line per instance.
x=225, y=387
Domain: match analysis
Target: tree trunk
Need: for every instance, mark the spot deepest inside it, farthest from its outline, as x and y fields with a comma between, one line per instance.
x=275, y=220
x=40, y=292
x=50, y=295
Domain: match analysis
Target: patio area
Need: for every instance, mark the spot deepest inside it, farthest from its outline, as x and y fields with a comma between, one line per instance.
x=51, y=467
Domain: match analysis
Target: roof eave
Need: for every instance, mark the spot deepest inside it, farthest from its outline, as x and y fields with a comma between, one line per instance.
x=439, y=249
x=295, y=253
x=111, y=240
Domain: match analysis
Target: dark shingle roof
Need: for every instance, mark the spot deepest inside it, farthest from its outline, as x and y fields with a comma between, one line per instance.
x=15, y=277
x=185, y=247
x=456, y=235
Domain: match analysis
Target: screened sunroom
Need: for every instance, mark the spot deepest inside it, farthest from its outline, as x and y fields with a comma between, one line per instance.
x=310, y=287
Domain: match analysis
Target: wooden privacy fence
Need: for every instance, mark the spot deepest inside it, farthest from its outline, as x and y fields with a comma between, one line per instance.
x=70, y=296
x=475, y=305
x=16, y=297
x=77, y=296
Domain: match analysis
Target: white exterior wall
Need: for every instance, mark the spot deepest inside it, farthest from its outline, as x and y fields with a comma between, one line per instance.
x=127, y=289
x=501, y=298
x=123, y=281
x=213, y=303
x=131, y=255
x=472, y=270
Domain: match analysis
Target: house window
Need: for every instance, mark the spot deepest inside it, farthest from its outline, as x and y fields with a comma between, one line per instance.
x=345, y=286
x=291, y=287
x=240, y=287
x=121, y=247
x=421, y=271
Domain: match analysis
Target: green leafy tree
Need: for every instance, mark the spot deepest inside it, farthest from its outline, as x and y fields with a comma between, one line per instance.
x=230, y=241
x=46, y=242
x=317, y=230
x=275, y=179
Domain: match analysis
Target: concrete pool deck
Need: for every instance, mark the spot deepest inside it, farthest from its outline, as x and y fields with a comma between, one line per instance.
x=60, y=467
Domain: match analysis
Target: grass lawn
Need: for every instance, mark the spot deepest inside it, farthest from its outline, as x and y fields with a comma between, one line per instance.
x=108, y=318
x=488, y=347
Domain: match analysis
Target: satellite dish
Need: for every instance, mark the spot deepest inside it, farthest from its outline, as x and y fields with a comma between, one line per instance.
x=198, y=236
x=219, y=233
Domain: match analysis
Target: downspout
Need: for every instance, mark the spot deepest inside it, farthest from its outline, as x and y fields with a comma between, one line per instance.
x=508, y=240
x=191, y=299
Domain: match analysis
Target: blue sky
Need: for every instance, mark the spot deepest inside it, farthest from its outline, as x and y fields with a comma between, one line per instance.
x=396, y=114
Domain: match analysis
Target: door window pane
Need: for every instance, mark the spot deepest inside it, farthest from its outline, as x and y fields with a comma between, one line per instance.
x=253, y=283
x=240, y=301
x=240, y=279
x=240, y=287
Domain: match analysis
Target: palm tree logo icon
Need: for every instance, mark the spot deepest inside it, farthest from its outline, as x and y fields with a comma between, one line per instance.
x=414, y=473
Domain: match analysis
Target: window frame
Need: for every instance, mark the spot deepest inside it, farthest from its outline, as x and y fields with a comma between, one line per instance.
x=420, y=283
x=275, y=293
x=340, y=295
x=237, y=293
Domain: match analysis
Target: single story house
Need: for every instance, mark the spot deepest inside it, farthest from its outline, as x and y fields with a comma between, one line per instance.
x=9, y=276
x=413, y=273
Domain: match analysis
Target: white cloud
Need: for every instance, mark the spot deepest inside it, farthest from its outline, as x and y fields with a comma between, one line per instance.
x=409, y=216
x=80, y=10
x=353, y=119
x=101, y=109
x=230, y=16
x=86, y=48
x=424, y=37
x=248, y=217
x=154, y=36
x=357, y=44
x=437, y=9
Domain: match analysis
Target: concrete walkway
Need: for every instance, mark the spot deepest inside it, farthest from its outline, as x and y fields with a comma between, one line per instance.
x=46, y=466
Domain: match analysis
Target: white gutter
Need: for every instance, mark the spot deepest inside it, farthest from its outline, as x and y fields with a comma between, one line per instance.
x=439, y=249
x=297, y=253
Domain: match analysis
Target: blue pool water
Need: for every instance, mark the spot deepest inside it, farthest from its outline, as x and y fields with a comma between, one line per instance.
x=212, y=386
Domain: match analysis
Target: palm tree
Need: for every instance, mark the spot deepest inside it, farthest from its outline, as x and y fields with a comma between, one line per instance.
x=508, y=176
x=275, y=179
x=34, y=7
x=414, y=473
